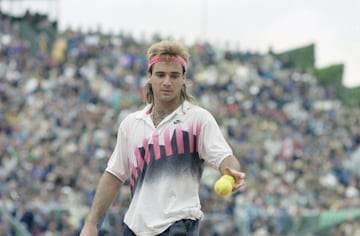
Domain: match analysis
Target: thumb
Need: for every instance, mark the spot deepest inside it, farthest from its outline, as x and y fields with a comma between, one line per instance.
x=234, y=173
x=229, y=171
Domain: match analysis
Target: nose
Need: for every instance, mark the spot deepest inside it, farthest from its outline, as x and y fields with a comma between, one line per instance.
x=167, y=81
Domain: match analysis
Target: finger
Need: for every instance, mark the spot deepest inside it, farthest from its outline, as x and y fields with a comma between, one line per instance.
x=234, y=172
x=227, y=170
x=230, y=171
x=238, y=185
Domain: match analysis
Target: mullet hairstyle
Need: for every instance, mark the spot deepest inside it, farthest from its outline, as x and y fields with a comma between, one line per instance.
x=168, y=49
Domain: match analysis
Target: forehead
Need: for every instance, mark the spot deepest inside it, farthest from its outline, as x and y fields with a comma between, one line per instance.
x=167, y=66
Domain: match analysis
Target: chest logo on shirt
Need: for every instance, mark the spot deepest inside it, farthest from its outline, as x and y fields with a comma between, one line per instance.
x=175, y=144
x=177, y=122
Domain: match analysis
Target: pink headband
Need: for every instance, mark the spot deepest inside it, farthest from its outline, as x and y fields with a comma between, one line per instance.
x=156, y=59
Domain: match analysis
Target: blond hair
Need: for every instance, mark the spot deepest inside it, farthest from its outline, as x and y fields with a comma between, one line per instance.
x=168, y=48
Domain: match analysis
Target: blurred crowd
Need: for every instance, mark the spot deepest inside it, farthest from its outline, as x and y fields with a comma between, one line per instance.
x=60, y=109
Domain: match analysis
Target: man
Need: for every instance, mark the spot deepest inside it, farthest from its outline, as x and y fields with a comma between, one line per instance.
x=161, y=150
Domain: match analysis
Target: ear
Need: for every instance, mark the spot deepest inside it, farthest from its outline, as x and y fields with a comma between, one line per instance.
x=148, y=76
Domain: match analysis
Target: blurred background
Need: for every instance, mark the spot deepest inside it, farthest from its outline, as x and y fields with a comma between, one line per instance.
x=281, y=78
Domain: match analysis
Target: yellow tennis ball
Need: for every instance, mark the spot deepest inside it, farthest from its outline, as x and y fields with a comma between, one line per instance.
x=223, y=186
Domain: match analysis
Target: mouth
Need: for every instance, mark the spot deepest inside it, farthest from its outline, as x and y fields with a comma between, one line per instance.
x=166, y=92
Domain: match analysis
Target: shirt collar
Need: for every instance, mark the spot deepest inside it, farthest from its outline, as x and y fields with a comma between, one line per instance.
x=182, y=109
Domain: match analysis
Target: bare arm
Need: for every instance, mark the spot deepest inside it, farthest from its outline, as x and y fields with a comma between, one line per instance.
x=106, y=191
x=231, y=166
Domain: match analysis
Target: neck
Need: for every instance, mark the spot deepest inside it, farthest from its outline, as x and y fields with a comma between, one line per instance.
x=158, y=113
x=165, y=108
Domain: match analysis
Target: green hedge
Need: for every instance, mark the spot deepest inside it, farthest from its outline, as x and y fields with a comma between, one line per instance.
x=302, y=58
x=333, y=75
x=321, y=224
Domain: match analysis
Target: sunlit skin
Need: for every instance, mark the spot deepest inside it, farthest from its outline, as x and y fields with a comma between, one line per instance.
x=166, y=80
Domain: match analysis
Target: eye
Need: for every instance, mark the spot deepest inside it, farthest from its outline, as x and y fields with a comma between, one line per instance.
x=160, y=74
x=175, y=75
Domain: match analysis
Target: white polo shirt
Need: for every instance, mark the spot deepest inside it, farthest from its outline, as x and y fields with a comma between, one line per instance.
x=164, y=165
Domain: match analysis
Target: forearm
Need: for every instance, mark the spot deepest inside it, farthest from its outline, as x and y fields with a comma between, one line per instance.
x=106, y=191
x=229, y=162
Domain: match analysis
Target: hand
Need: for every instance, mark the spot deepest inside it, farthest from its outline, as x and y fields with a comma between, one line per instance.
x=238, y=176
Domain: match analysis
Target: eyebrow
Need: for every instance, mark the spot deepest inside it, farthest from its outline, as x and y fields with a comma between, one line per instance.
x=163, y=72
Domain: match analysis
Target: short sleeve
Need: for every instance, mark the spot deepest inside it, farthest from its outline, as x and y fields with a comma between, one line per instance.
x=118, y=163
x=213, y=146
